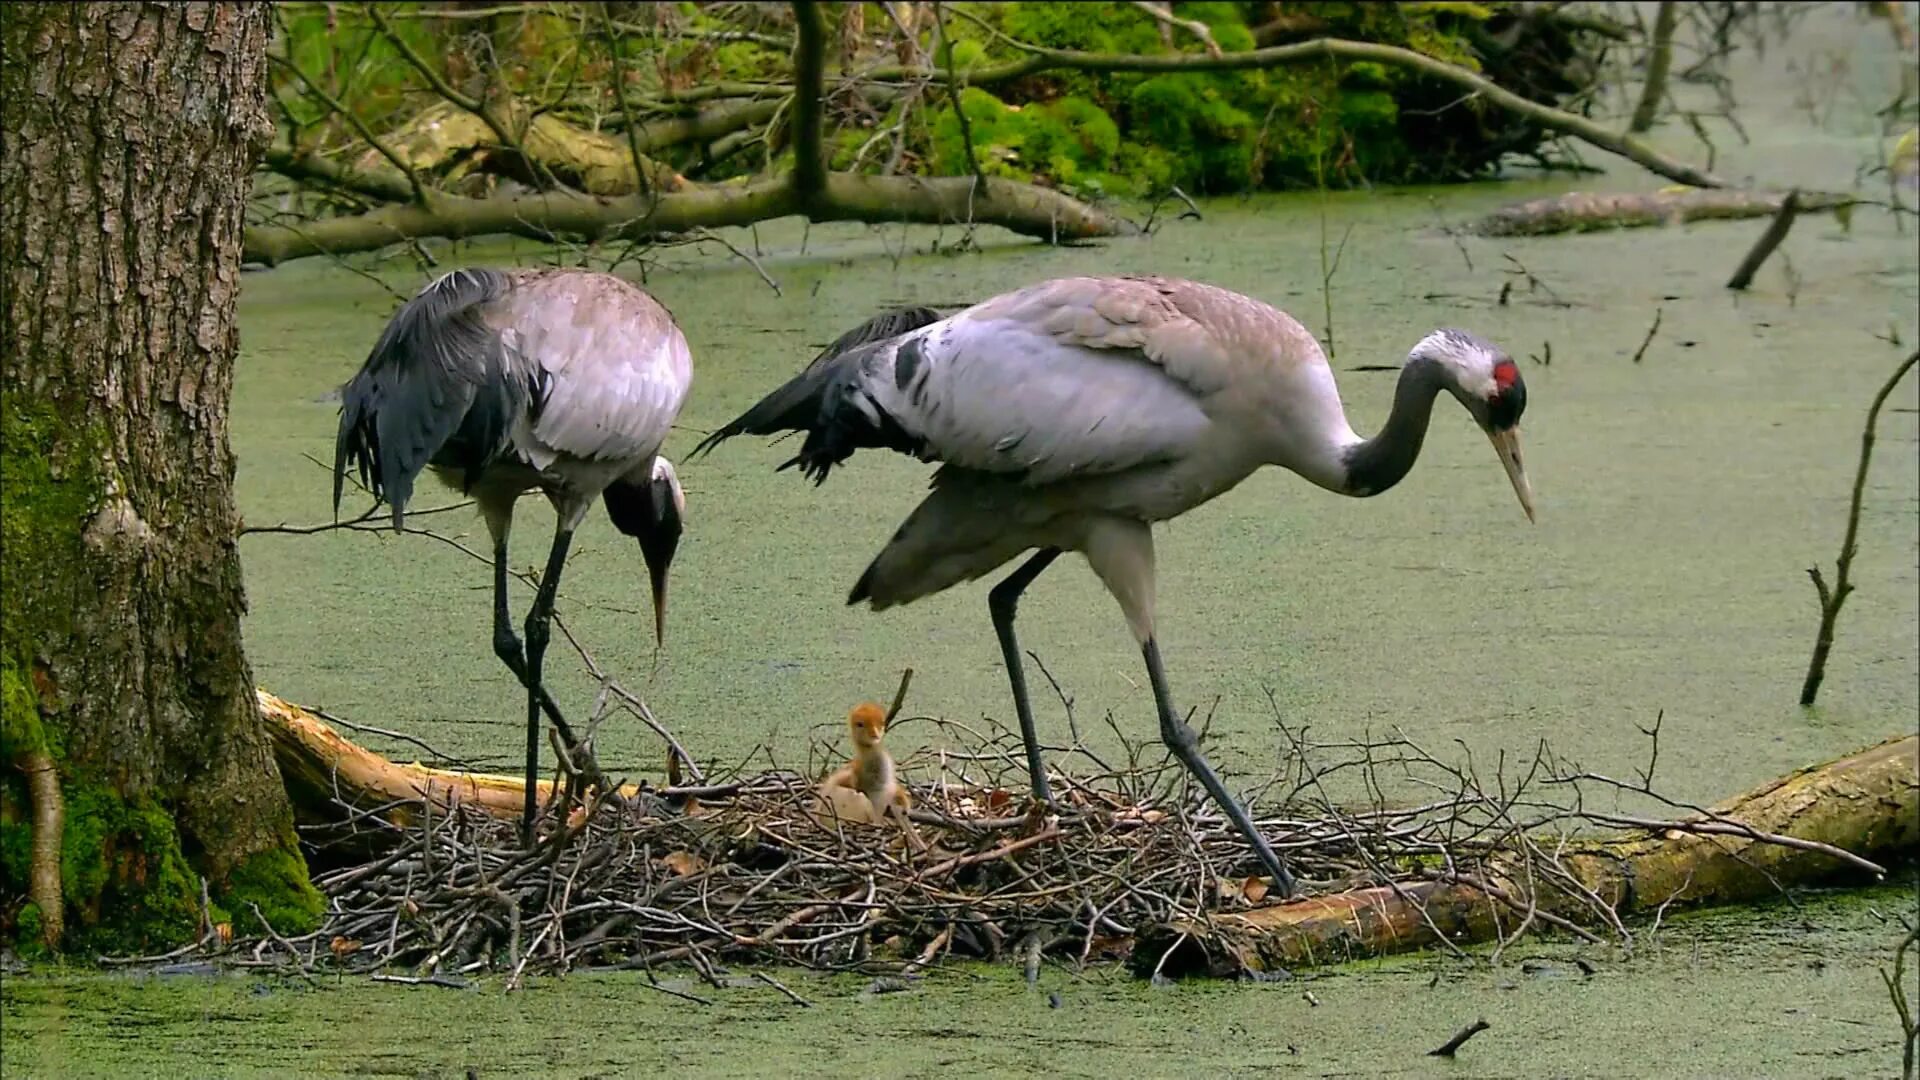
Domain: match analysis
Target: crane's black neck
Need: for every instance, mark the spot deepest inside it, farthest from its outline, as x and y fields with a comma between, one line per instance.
x=1377, y=464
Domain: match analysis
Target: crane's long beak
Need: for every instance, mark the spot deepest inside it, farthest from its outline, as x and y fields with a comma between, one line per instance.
x=1507, y=445
x=657, y=545
x=659, y=574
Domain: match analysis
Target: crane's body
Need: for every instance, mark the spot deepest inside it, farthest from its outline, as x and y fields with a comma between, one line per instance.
x=503, y=382
x=1073, y=414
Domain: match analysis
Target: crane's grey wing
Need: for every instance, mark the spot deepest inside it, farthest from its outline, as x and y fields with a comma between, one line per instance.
x=436, y=387
x=1006, y=396
x=1070, y=377
x=609, y=367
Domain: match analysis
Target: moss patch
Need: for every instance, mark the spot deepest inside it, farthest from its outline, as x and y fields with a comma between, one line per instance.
x=276, y=880
x=128, y=887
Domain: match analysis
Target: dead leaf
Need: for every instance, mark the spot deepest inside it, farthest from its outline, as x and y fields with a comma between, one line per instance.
x=1255, y=889
x=683, y=863
x=997, y=799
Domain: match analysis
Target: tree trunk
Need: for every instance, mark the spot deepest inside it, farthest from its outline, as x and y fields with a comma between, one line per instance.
x=131, y=130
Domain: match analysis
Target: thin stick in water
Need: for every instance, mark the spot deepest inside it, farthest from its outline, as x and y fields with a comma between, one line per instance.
x=1776, y=232
x=1446, y=1049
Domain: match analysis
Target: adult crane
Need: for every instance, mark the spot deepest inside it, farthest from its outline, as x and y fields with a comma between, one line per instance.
x=503, y=382
x=1073, y=414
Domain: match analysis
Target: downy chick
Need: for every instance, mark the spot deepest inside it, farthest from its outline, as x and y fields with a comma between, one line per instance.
x=870, y=774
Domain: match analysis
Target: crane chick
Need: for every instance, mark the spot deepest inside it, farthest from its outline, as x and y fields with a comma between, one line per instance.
x=866, y=789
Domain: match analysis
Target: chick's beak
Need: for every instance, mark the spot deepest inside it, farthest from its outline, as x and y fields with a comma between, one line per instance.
x=1507, y=444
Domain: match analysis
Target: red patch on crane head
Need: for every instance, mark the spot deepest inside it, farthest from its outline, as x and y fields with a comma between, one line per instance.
x=1505, y=374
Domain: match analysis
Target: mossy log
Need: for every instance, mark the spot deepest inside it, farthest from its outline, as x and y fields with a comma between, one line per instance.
x=450, y=142
x=1867, y=804
x=1586, y=211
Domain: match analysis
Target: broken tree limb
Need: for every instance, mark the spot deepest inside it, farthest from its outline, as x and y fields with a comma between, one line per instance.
x=1867, y=804
x=1586, y=211
x=325, y=772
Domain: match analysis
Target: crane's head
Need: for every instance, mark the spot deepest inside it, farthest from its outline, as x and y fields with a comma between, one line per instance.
x=664, y=506
x=867, y=722
x=1487, y=381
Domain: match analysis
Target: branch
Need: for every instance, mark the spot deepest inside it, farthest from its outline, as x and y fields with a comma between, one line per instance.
x=1776, y=231
x=953, y=93
x=1021, y=208
x=307, y=167
x=416, y=192
x=446, y=90
x=1831, y=602
x=809, y=66
x=1659, y=62
x=1166, y=17
x=626, y=111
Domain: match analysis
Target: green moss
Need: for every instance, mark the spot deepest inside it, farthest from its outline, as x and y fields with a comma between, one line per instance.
x=20, y=729
x=1305, y=125
x=50, y=482
x=1071, y=143
x=128, y=886
x=276, y=880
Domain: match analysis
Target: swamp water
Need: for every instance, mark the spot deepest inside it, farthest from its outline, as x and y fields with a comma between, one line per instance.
x=1681, y=499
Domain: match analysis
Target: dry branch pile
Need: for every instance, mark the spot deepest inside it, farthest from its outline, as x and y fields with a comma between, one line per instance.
x=1133, y=863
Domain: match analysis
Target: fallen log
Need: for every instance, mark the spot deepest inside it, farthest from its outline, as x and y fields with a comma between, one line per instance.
x=326, y=774
x=1025, y=209
x=1867, y=804
x=450, y=142
x=1586, y=211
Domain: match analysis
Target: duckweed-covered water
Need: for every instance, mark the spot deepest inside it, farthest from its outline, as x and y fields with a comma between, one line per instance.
x=1681, y=499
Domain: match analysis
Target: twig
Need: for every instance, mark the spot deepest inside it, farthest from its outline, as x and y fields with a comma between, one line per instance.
x=1648, y=340
x=447, y=982
x=1896, y=981
x=1776, y=231
x=899, y=695
x=782, y=987
x=1448, y=1048
x=953, y=94
x=1832, y=599
x=1166, y=17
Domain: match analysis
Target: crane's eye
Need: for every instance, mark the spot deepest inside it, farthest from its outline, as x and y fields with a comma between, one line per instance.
x=1509, y=397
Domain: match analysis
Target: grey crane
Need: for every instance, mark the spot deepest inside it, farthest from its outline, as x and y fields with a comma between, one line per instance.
x=1073, y=414
x=503, y=382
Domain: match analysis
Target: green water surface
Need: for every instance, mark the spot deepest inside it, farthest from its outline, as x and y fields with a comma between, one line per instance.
x=1681, y=499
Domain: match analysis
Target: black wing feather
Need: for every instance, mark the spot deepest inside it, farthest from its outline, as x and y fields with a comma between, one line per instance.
x=436, y=388
x=820, y=400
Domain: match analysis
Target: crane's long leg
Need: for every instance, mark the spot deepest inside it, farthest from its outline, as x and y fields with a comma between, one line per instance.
x=1002, y=601
x=506, y=643
x=539, y=624
x=1180, y=738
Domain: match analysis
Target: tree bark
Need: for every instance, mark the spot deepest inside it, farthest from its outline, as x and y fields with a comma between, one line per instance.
x=131, y=133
